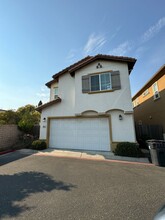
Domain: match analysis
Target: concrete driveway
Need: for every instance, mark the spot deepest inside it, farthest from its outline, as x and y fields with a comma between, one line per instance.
x=47, y=187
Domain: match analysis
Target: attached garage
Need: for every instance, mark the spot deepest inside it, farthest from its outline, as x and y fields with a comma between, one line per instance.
x=80, y=133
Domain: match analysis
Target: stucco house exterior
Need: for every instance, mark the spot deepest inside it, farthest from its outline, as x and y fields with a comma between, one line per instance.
x=90, y=105
x=149, y=101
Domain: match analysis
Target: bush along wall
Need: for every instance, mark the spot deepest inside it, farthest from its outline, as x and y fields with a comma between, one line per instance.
x=39, y=145
x=128, y=149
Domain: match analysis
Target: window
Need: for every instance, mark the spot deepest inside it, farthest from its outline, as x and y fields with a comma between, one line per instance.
x=155, y=91
x=155, y=87
x=105, y=81
x=55, y=92
x=101, y=82
x=156, y=95
x=95, y=84
x=146, y=92
x=137, y=101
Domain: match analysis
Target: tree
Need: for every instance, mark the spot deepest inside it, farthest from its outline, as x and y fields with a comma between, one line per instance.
x=25, y=117
x=28, y=117
x=9, y=117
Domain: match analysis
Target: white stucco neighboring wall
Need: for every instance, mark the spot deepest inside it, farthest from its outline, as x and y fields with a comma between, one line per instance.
x=66, y=90
x=75, y=102
x=122, y=130
x=102, y=102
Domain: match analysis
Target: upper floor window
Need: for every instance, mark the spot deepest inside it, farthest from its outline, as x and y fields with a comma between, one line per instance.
x=155, y=91
x=101, y=82
x=55, y=92
x=155, y=87
x=146, y=92
x=136, y=102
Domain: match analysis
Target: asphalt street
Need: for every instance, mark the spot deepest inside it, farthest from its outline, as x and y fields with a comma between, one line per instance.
x=46, y=187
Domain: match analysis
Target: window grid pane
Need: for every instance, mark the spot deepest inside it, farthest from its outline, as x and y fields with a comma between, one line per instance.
x=101, y=82
x=95, y=83
x=105, y=81
x=155, y=87
x=56, y=91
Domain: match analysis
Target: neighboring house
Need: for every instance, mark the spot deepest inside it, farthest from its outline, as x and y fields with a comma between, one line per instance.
x=90, y=105
x=149, y=102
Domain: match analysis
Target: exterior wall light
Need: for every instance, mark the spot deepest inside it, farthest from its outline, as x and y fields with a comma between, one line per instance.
x=44, y=120
x=120, y=117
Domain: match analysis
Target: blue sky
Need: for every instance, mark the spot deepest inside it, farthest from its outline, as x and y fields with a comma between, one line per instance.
x=40, y=37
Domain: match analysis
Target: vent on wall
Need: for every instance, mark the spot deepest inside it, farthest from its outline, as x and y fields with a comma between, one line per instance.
x=156, y=95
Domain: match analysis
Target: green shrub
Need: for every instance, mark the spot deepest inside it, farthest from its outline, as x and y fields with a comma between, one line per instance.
x=128, y=149
x=39, y=145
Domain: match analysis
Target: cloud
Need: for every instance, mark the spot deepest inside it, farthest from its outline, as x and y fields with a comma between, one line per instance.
x=43, y=93
x=140, y=51
x=94, y=43
x=43, y=89
x=122, y=49
x=71, y=55
x=153, y=30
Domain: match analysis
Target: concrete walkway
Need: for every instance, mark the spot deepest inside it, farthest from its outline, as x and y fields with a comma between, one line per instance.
x=90, y=155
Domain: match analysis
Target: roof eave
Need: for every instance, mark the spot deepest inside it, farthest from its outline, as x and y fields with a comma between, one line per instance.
x=80, y=64
x=130, y=61
x=41, y=107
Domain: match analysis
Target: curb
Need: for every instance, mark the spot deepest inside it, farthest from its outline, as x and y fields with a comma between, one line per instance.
x=6, y=152
x=97, y=159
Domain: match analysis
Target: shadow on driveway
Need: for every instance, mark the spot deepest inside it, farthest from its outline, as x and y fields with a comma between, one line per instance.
x=16, y=155
x=15, y=188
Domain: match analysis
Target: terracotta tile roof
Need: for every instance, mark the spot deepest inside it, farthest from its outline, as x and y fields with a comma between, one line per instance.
x=129, y=60
x=48, y=84
x=71, y=69
x=55, y=76
x=80, y=62
x=39, y=108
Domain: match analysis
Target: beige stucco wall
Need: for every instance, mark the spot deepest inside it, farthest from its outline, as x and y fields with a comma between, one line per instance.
x=161, y=87
x=151, y=111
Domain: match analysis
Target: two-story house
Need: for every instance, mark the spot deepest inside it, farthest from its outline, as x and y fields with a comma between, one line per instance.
x=90, y=105
x=149, y=101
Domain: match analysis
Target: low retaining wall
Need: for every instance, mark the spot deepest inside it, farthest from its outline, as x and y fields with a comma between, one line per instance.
x=9, y=135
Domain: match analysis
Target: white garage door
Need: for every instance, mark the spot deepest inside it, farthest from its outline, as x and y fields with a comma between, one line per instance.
x=80, y=133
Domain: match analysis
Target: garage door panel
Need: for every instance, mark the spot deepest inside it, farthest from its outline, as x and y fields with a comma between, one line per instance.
x=80, y=133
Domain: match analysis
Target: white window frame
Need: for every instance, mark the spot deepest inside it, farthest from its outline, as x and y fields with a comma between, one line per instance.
x=55, y=92
x=99, y=74
x=137, y=101
x=146, y=92
x=155, y=87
